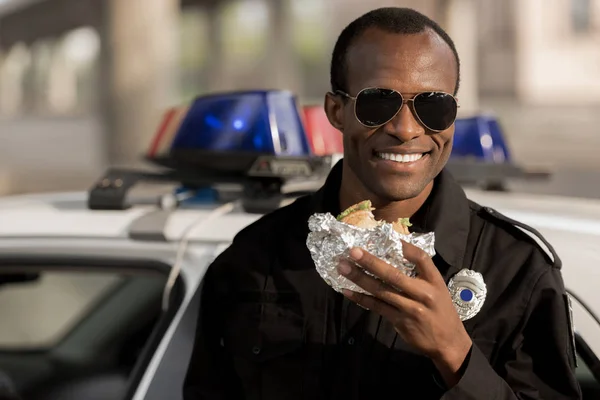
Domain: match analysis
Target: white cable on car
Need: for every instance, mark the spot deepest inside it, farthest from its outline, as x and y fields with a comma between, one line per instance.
x=198, y=222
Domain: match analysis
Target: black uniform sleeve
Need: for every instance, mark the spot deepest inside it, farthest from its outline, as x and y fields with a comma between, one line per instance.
x=210, y=374
x=541, y=361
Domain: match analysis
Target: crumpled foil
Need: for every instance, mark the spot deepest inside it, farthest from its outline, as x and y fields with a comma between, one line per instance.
x=330, y=241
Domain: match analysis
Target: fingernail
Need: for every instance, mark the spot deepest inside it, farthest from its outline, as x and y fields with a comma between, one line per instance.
x=347, y=293
x=356, y=253
x=344, y=268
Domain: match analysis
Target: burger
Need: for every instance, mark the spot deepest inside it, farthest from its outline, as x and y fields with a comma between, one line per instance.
x=401, y=226
x=361, y=216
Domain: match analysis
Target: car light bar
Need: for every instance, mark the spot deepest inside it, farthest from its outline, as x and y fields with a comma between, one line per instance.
x=480, y=138
x=289, y=167
x=243, y=123
x=265, y=179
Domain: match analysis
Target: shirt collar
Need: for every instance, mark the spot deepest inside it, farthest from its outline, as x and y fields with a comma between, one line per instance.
x=327, y=199
x=446, y=213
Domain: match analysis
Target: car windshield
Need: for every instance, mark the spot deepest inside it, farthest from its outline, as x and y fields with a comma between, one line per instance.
x=55, y=301
x=65, y=327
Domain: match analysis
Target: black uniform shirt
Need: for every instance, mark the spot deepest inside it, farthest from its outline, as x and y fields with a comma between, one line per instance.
x=271, y=328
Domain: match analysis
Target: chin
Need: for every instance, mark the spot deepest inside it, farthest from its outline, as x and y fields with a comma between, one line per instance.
x=399, y=189
x=401, y=196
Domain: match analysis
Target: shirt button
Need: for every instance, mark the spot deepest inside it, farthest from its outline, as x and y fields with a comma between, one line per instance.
x=256, y=350
x=270, y=297
x=351, y=341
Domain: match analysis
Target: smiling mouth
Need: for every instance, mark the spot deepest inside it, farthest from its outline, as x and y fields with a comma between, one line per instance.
x=400, y=158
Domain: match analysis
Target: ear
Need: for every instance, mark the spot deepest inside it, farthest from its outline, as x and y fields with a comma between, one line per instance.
x=334, y=108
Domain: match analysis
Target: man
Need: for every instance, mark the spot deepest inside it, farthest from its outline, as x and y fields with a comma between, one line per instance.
x=271, y=328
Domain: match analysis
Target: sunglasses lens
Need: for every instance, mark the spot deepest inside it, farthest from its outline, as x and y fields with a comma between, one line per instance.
x=375, y=107
x=437, y=111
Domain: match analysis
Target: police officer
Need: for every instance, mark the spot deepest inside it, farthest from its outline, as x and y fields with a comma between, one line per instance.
x=486, y=318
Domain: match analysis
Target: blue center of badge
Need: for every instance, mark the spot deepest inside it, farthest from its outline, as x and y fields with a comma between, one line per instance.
x=466, y=295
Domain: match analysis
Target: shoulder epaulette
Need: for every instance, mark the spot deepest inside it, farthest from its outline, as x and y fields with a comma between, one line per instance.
x=537, y=237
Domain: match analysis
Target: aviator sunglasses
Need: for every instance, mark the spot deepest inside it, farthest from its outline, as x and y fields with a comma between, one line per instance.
x=374, y=107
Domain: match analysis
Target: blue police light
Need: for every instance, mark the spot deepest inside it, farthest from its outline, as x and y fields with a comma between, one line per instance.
x=480, y=138
x=206, y=195
x=254, y=138
x=263, y=122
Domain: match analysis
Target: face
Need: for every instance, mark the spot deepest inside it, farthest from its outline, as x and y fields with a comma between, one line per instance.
x=409, y=64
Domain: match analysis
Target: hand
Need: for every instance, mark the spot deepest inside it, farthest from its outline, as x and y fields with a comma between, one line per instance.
x=420, y=309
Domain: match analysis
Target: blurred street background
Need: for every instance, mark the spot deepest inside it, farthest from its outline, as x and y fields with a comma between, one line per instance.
x=83, y=83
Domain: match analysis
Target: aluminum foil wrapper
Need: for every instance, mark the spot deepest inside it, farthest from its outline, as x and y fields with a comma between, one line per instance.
x=330, y=241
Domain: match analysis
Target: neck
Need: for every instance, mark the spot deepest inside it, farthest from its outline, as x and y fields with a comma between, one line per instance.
x=353, y=191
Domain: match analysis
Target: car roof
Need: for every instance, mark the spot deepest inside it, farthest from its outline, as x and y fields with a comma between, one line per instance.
x=571, y=225
x=65, y=215
x=570, y=214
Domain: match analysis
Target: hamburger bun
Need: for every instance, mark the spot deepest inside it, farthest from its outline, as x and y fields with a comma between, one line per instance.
x=362, y=219
x=361, y=216
x=401, y=226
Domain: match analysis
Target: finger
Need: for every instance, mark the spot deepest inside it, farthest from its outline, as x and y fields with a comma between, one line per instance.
x=394, y=277
x=371, y=303
x=424, y=264
x=376, y=287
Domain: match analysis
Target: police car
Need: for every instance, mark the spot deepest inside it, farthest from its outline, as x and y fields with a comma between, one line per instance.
x=99, y=291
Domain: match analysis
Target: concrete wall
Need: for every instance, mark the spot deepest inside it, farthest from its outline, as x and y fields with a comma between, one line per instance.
x=497, y=48
x=555, y=64
x=50, y=153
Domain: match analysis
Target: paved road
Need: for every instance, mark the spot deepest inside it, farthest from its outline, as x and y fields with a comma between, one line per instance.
x=565, y=139
x=564, y=182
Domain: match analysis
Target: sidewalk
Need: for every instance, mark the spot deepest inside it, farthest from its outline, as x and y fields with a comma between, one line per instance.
x=564, y=139
x=560, y=137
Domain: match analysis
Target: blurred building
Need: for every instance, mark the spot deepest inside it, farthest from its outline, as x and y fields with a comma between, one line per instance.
x=538, y=53
x=83, y=82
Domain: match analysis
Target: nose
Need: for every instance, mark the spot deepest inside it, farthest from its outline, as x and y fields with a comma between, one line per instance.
x=404, y=125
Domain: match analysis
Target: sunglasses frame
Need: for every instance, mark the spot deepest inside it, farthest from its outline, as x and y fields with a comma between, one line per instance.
x=404, y=101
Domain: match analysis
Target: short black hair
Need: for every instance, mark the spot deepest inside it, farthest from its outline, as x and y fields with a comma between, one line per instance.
x=389, y=19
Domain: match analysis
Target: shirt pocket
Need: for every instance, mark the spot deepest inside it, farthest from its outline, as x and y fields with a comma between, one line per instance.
x=265, y=341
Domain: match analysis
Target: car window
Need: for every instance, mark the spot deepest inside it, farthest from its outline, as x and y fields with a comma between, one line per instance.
x=37, y=313
x=588, y=370
x=583, y=370
x=67, y=330
x=590, y=386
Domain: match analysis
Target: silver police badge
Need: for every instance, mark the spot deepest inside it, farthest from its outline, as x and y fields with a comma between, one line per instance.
x=468, y=292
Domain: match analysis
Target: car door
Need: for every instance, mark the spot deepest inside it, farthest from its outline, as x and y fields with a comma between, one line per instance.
x=165, y=375
x=80, y=326
x=587, y=345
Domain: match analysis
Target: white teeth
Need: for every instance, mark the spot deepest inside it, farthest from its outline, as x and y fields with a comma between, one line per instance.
x=400, y=157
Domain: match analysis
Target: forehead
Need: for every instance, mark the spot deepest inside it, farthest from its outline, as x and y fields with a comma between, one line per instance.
x=409, y=63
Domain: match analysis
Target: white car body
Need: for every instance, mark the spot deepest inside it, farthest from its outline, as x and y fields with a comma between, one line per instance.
x=60, y=225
